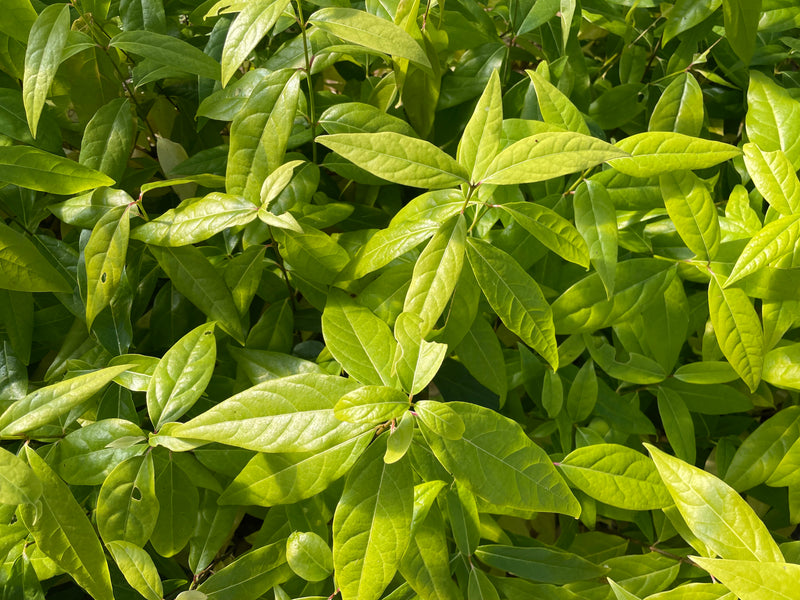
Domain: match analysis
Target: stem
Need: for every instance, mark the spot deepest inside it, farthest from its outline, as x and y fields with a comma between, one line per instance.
x=312, y=113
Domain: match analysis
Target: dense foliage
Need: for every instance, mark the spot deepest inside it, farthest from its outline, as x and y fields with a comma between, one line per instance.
x=399, y=300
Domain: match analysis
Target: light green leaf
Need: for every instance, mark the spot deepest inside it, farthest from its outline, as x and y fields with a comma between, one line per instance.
x=371, y=525
x=548, y=155
x=691, y=208
x=19, y=18
x=178, y=502
x=634, y=368
x=182, y=375
x=167, y=50
x=741, y=26
x=771, y=119
x=706, y=372
x=105, y=255
x=309, y=556
x=680, y=107
x=480, y=586
x=551, y=229
x=716, y=514
x=738, y=331
x=211, y=531
x=36, y=169
x=63, y=533
x=357, y=117
x=776, y=240
x=400, y=438
x=358, y=340
x=582, y=394
x=23, y=268
x=108, y=139
x=249, y=576
x=49, y=403
x=685, y=14
x=46, y=42
x=398, y=158
x=515, y=297
x=620, y=593
x=782, y=367
x=556, y=108
x=539, y=563
x=596, y=221
x=766, y=581
x=678, y=424
x=272, y=479
x=254, y=21
x=462, y=512
x=440, y=418
x=371, y=404
x=416, y=361
x=480, y=142
x=372, y=32
x=127, y=507
x=774, y=177
x=18, y=484
x=659, y=152
x=616, y=475
x=138, y=568
x=289, y=414
x=499, y=463
x=312, y=253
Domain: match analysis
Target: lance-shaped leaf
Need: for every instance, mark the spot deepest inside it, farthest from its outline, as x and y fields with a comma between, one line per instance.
x=496, y=461
x=748, y=581
x=680, y=107
x=18, y=484
x=551, y=229
x=555, y=107
x=357, y=117
x=254, y=21
x=436, y=273
x=774, y=177
x=138, y=568
x=167, y=50
x=616, y=475
x=585, y=307
x=361, y=342
x=678, y=424
x=196, y=221
x=290, y=414
x=46, y=43
x=127, y=507
x=371, y=404
x=480, y=141
x=23, y=268
x=182, y=375
x=108, y=139
x=372, y=524
x=738, y=331
x=211, y=531
x=659, y=152
x=717, y=515
x=260, y=132
x=248, y=577
x=36, y=169
x=776, y=240
x=548, y=155
x=540, y=564
x=416, y=361
x=178, y=503
x=49, y=403
x=772, y=117
x=692, y=210
x=480, y=586
x=105, y=255
x=398, y=158
x=515, y=297
x=64, y=534
x=400, y=439
x=596, y=221
x=273, y=479
x=370, y=31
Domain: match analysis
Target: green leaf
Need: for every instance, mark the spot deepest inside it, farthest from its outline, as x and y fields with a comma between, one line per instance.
x=556, y=108
x=138, y=568
x=678, y=424
x=680, y=107
x=781, y=367
x=551, y=229
x=462, y=512
x=36, y=169
x=23, y=268
x=440, y=418
x=254, y=21
x=548, y=155
x=312, y=253
x=272, y=479
x=585, y=307
x=358, y=340
x=372, y=32
x=741, y=26
x=309, y=556
x=371, y=525
x=635, y=368
x=193, y=276
x=249, y=576
x=738, y=331
x=178, y=502
x=774, y=177
x=706, y=372
x=46, y=43
x=596, y=221
x=289, y=414
x=616, y=475
x=659, y=152
x=773, y=242
x=685, y=14
x=480, y=141
x=497, y=462
x=480, y=586
x=416, y=361
x=47, y=404
x=211, y=532
x=182, y=375
x=771, y=120
x=515, y=297
x=691, y=208
x=167, y=50
x=398, y=158
x=108, y=139
x=63, y=533
x=715, y=513
x=539, y=563
x=582, y=394
x=400, y=438
x=19, y=18
x=19, y=484
x=357, y=117
x=767, y=581
x=105, y=255
x=371, y=404
x=127, y=507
